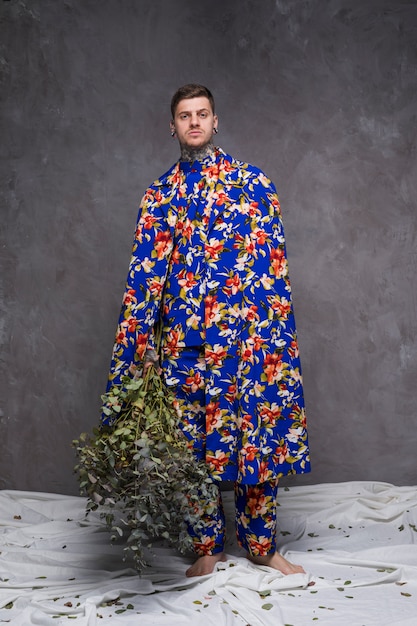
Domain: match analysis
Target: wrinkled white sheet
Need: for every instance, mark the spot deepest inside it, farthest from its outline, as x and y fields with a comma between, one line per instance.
x=357, y=542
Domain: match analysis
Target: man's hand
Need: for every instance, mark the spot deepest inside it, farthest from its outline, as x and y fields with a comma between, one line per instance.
x=152, y=360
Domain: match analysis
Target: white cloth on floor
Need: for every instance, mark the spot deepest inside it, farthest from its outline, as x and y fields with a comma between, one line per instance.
x=357, y=542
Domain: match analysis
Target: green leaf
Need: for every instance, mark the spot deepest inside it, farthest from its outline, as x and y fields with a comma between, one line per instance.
x=143, y=467
x=267, y=607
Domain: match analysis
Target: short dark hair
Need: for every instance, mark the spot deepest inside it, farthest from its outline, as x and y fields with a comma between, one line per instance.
x=192, y=90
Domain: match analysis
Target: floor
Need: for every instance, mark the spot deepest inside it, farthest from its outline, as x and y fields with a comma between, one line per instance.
x=357, y=542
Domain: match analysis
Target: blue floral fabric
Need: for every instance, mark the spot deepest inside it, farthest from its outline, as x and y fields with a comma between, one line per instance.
x=209, y=263
x=255, y=521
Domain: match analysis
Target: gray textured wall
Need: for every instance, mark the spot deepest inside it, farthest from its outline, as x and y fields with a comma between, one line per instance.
x=322, y=94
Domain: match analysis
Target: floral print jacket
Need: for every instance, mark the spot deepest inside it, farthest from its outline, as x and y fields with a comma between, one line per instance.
x=209, y=260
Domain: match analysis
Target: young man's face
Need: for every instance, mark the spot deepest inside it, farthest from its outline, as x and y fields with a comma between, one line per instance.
x=194, y=122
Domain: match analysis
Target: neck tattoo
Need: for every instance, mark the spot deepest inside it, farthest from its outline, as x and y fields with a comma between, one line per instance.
x=198, y=154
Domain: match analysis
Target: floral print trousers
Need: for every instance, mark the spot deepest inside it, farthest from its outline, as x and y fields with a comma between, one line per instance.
x=255, y=504
x=255, y=519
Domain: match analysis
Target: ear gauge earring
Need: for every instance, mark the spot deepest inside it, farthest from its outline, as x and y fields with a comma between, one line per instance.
x=215, y=131
x=172, y=133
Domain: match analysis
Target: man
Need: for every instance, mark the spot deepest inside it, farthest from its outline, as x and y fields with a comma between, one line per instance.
x=209, y=261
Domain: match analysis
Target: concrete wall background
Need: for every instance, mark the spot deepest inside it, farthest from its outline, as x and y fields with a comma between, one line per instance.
x=319, y=93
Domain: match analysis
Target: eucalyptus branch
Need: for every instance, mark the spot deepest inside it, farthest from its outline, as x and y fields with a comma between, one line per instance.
x=140, y=472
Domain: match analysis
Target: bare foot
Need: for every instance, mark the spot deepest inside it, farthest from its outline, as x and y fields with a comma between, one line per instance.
x=278, y=562
x=205, y=564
